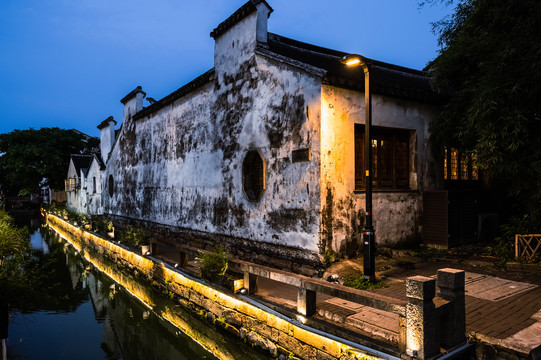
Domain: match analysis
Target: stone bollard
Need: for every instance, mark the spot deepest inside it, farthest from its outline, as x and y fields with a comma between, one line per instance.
x=183, y=259
x=153, y=248
x=306, y=302
x=250, y=283
x=422, y=337
x=453, y=322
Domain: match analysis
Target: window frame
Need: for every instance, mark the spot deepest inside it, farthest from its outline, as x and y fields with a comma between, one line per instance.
x=111, y=185
x=249, y=193
x=459, y=166
x=386, y=142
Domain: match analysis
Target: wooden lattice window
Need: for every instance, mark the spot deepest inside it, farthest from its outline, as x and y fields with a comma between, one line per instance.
x=253, y=175
x=390, y=158
x=459, y=165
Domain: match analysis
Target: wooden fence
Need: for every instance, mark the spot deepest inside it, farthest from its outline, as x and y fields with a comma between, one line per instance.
x=528, y=247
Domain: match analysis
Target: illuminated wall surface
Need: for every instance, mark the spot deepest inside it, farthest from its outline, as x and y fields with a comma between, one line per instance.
x=239, y=317
x=396, y=211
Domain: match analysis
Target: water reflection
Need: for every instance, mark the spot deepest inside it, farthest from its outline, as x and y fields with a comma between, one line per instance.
x=80, y=313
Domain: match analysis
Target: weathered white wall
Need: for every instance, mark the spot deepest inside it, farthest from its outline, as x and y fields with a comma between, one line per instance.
x=94, y=204
x=182, y=165
x=74, y=197
x=396, y=213
x=107, y=139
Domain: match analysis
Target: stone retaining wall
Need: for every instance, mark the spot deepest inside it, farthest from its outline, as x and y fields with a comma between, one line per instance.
x=278, y=336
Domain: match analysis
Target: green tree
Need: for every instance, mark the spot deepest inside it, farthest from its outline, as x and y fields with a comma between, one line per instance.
x=14, y=255
x=489, y=70
x=31, y=156
x=31, y=280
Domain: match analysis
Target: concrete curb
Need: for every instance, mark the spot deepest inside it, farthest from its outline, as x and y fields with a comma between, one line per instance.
x=530, y=268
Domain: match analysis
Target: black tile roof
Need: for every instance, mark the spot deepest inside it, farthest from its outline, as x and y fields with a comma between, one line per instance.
x=97, y=156
x=105, y=123
x=236, y=17
x=386, y=79
x=81, y=162
x=132, y=94
x=175, y=95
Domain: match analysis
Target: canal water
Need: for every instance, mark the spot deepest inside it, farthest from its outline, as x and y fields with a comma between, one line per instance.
x=83, y=314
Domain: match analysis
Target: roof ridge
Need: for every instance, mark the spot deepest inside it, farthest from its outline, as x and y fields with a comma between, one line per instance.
x=239, y=15
x=338, y=54
x=175, y=95
x=388, y=79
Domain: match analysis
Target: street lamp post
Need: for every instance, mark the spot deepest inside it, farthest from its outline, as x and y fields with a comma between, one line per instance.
x=369, y=240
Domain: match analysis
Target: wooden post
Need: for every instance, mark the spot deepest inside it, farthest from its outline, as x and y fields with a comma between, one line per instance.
x=402, y=332
x=516, y=246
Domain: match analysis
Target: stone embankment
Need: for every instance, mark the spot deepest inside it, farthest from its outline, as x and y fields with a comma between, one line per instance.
x=426, y=323
x=278, y=336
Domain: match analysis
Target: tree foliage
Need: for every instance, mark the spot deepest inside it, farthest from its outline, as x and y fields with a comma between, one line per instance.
x=490, y=70
x=31, y=279
x=14, y=255
x=31, y=156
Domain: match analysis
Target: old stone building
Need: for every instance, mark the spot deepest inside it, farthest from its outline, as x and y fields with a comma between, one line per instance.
x=84, y=184
x=76, y=182
x=263, y=152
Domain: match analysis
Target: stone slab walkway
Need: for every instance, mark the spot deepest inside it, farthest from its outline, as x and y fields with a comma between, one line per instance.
x=504, y=310
x=499, y=311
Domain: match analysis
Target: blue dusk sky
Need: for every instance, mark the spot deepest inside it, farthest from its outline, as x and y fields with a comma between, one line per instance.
x=67, y=63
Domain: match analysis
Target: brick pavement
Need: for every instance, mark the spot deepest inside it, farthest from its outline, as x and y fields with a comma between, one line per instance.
x=513, y=321
x=499, y=319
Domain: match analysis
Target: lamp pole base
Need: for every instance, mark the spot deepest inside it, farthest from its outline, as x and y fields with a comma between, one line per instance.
x=369, y=249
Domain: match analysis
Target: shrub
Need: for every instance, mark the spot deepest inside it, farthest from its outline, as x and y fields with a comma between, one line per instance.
x=214, y=264
x=72, y=215
x=503, y=246
x=359, y=282
x=103, y=224
x=133, y=235
x=83, y=219
x=329, y=257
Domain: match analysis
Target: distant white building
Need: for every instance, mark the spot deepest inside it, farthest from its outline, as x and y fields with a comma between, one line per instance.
x=83, y=184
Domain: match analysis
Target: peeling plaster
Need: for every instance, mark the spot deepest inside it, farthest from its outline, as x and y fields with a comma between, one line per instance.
x=182, y=166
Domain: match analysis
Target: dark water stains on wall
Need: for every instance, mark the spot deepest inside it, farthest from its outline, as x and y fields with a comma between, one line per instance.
x=327, y=221
x=182, y=166
x=285, y=220
x=231, y=106
x=127, y=143
x=226, y=213
x=283, y=124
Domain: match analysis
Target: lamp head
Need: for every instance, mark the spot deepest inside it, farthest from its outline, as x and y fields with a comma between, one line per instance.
x=353, y=60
